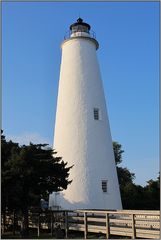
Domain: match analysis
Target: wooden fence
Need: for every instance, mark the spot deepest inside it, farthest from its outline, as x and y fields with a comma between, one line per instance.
x=130, y=223
x=134, y=224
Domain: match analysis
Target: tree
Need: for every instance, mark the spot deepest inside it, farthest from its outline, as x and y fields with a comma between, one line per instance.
x=152, y=193
x=124, y=175
x=32, y=173
x=135, y=196
x=7, y=149
x=117, y=148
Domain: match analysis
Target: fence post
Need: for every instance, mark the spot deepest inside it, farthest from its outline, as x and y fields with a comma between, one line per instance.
x=14, y=222
x=4, y=222
x=133, y=226
x=66, y=224
x=85, y=225
x=51, y=223
x=38, y=229
x=107, y=226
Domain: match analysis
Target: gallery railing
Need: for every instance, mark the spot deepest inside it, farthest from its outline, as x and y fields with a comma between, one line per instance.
x=79, y=33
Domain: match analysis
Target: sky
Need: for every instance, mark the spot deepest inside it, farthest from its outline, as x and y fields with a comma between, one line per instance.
x=128, y=35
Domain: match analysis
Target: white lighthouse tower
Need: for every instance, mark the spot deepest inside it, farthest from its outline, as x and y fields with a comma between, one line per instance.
x=82, y=133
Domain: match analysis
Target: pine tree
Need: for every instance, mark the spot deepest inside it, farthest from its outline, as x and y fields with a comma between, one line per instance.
x=30, y=173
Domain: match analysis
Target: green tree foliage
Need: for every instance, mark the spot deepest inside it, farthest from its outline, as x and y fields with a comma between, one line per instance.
x=117, y=152
x=30, y=173
x=152, y=191
x=36, y=173
x=124, y=175
x=135, y=196
x=7, y=149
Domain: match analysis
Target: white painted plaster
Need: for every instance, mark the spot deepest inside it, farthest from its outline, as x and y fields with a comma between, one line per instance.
x=79, y=139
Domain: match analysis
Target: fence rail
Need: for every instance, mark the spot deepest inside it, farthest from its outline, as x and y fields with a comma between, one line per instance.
x=129, y=223
x=135, y=224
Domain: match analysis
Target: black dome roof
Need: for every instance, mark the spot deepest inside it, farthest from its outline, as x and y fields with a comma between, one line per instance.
x=80, y=22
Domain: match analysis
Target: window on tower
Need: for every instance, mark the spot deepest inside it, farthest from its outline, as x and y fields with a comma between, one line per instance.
x=104, y=186
x=96, y=113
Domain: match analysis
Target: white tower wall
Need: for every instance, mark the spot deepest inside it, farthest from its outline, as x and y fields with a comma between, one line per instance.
x=79, y=139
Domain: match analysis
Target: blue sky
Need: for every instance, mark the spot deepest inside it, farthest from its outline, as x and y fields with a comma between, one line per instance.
x=128, y=34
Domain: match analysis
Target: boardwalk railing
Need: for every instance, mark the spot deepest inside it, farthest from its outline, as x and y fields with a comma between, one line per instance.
x=134, y=224
x=127, y=223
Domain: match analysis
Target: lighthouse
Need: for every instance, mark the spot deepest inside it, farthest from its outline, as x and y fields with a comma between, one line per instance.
x=82, y=133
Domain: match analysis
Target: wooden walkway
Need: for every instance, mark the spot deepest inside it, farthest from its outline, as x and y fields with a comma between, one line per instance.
x=134, y=224
x=126, y=223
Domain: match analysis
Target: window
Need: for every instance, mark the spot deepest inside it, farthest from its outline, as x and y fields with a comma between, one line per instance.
x=104, y=186
x=96, y=113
